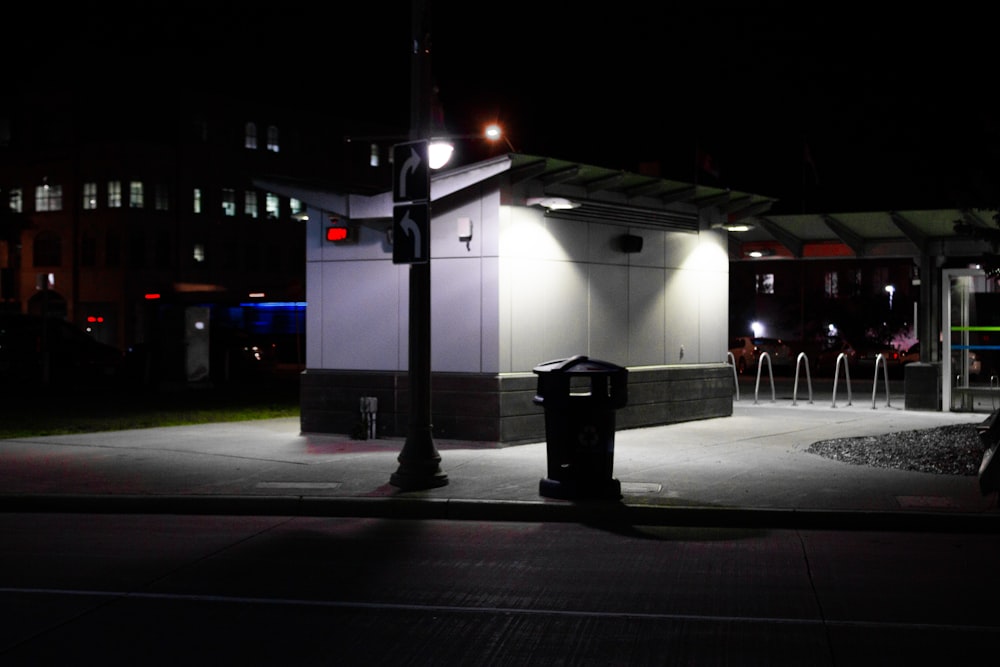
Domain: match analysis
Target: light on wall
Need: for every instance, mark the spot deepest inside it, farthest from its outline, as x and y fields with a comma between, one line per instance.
x=552, y=203
x=733, y=226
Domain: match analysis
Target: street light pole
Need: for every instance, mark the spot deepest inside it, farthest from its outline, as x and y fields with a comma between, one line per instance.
x=419, y=460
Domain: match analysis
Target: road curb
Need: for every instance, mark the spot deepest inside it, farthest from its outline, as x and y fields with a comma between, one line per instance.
x=604, y=513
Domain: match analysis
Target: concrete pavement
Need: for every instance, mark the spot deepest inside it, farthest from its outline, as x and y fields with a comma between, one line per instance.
x=753, y=463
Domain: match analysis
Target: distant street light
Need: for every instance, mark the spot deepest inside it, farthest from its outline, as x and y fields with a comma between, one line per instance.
x=890, y=289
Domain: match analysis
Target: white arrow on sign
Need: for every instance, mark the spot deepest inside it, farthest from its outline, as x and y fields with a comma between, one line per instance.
x=410, y=166
x=412, y=230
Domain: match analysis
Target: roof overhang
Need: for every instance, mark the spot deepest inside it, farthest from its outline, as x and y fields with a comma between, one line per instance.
x=599, y=193
x=915, y=234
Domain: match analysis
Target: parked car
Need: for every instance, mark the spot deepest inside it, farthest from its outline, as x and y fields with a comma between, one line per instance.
x=826, y=359
x=51, y=349
x=867, y=356
x=748, y=351
x=975, y=363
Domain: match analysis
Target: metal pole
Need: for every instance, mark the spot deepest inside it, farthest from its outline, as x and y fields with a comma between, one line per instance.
x=419, y=460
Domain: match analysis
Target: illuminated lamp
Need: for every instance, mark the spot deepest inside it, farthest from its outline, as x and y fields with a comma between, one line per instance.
x=552, y=203
x=341, y=234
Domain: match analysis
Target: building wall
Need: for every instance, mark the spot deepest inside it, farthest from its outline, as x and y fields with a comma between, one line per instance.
x=525, y=289
x=566, y=288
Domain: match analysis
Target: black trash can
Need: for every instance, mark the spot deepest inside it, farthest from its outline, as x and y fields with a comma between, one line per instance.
x=580, y=396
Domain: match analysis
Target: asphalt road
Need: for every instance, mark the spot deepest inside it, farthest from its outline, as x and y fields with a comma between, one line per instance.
x=219, y=590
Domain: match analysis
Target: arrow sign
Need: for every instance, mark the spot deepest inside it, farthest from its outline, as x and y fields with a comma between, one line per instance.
x=411, y=175
x=410, y=237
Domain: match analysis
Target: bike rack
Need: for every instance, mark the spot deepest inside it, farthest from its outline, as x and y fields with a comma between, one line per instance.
x=736, y=380
x=795, y=388
x=836, y=377
x=880, y=359
x=760, y=367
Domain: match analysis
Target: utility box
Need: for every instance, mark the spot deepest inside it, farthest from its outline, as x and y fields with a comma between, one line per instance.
x=580, y=396
x=922, y=386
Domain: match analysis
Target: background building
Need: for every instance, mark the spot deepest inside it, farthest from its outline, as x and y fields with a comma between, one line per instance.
x=138, y=221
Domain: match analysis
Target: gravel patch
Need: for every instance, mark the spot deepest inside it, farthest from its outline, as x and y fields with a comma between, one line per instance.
x=946, y=450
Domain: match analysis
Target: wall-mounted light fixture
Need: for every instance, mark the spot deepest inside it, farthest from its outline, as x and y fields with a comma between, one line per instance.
x=630, y=243
x=757, y=253
x=552, y=203
x=733, y=226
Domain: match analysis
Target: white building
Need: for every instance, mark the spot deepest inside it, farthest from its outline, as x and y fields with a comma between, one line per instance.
x=635, y=274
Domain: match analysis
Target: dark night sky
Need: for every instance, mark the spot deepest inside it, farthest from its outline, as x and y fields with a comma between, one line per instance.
x=893, y=106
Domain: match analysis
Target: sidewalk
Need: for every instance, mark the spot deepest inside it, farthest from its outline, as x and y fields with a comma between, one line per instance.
x=754, y=463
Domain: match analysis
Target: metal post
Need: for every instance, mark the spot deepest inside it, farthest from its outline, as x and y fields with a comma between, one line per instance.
x=419, y=460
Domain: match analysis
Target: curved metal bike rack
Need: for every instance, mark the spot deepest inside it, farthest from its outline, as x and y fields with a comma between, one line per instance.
x=879, y=359
x=836, y=377
x=802, y=360
x=760, y=367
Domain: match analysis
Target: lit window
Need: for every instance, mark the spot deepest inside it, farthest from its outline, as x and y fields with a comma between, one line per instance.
x=197, y=200
x=135, y=195
x=162, y=202
x=16, y=200
x=228, y=202
x=273, y=206
x=296, y=206
x=272, y=138
x=830, y=287
x=373, y=158
x=765, y=283
x=198, y=252
x=114, y=194
x=48, y=197
x=250, y=140
x=89, y=196
x=250, y=203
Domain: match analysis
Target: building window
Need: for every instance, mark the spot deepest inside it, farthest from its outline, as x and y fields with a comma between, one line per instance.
x=272, y=138
x=48, y=197
x=88, y=248
x=162, y=196
x=136, y=250
x=114, y=194
x=250, y=138
x=16, y=200
x=198, y=253
x=162, y=250
x=89, y=196
x=880, y=278
x=765, y=283
x=831, y=289
x=112, y=249
x=47, y=250
x=135, y=195
x=228, y=202
x=197, y=200
x=250, y=203
x=273, y=206
x=373, y=157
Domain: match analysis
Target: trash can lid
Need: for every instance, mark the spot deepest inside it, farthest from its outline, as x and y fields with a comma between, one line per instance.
x=577, y=364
